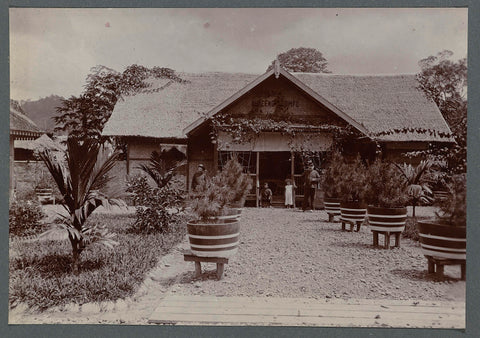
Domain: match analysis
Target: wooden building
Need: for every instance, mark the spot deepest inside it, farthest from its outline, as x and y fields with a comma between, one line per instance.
x=308, y=111
x=22, y=128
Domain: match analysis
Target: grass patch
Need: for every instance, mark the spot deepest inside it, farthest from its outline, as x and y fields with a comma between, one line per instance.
x=41, y=276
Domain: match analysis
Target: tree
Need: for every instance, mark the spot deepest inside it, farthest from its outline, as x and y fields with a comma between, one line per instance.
x=80, y=176
x=84, y=116
x=306, y=60
x=445, y=82
x=16, y=105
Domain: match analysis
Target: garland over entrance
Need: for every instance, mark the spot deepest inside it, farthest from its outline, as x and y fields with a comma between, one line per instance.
x=246, y=134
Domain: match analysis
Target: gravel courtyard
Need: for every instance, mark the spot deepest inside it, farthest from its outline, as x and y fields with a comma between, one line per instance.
x=288, y=253
x=283, y=253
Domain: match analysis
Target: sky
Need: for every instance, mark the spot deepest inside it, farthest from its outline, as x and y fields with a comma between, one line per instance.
x=52, y=50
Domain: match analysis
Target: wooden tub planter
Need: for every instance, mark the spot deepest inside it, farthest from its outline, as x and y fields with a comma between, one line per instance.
x=45, y=195
x=216, y=239
x=387, y=221
x=332, y=207
x=232, y=213
x=443, y=244
x=213, y=242
x=352, y=213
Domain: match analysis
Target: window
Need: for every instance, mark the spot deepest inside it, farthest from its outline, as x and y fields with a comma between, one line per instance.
x=248, y=160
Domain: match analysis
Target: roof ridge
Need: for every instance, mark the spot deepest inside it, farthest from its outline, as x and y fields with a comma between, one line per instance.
x=219, y=72
x=355, y=75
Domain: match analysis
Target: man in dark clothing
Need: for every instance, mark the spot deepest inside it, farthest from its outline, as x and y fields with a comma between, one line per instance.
x=311, y=179
x=199, y=177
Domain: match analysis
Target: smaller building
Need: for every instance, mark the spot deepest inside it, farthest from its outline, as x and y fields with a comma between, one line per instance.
x=21, y=129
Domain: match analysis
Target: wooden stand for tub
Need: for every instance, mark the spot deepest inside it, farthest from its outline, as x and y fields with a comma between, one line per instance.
x=387, y=238
x=436, y=264
x=198, y=267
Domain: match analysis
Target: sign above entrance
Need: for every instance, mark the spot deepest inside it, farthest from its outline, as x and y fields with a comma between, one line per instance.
x=270, y=141
x=271, y=102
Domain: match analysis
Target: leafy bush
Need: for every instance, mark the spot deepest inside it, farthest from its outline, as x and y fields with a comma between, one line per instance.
x=154, y=211
x=353, y=179
x=25, y=193
x=454, y=208
x=40, y=271
x=385, y=186
x=215, y=195
x=332, y=178
x=24, y=217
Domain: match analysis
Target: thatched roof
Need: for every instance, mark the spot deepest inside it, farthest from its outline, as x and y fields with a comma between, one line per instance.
x=21, y=126
x=167, y=107
x=381, y=103
x=372, y=103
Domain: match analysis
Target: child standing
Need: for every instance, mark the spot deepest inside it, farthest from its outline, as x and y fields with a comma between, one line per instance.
x=289, y=193
x=266, y=196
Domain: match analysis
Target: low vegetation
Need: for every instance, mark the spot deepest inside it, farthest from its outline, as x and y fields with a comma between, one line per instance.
x=24, y=217
x=41, y=276
x=158, y=205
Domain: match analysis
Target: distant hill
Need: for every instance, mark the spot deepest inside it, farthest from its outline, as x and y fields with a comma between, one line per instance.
x=42, y=111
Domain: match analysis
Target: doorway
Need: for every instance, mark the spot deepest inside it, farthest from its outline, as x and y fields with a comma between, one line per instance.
x=274, y=168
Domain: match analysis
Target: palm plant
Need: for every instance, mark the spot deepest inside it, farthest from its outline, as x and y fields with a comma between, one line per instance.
x=79, y=176
x=417, y=188
x=161, y=168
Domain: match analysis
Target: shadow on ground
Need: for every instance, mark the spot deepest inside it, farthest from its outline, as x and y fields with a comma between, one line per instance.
x=354, y=245
x=189, y=277
x=422, y=275
x=321, y=229
x=318, y=220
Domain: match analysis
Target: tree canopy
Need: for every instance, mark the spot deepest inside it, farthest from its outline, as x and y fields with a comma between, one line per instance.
x=84, y=116
x=17, y=106
x=445, y=82
x=306, y=60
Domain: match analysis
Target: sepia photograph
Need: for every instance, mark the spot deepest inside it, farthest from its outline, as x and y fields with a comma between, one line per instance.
x=265, y=167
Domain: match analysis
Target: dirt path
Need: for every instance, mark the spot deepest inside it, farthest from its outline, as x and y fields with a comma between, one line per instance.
x=283, y=253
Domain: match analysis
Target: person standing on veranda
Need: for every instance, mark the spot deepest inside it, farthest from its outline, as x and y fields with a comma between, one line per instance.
x=289, y=193
x=312, y=177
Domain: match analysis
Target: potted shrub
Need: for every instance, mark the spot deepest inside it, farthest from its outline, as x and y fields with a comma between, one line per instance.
x=240, y=184
x=445, y=236
x=44, y=193
x=215, y=230
x=331, y=185
x=387, y=197
x=352, y=190
x=43, y=188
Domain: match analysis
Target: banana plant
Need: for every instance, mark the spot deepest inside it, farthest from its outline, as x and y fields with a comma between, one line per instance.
x=80, y=174
x=417, y=189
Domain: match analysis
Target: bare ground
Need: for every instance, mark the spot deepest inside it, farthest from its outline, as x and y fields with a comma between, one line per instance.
x=283, y=253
